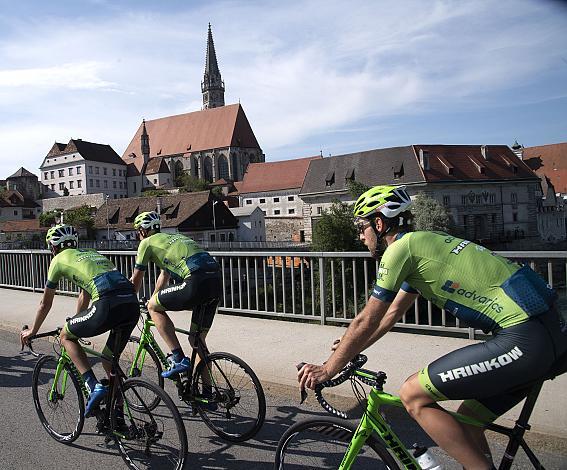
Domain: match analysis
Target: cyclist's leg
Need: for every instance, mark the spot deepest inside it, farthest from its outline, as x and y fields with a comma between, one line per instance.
x=447, y=432
x=158, y=312
x=512, y=358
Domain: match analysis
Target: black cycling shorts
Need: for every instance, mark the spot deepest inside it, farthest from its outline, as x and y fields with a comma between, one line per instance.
x=117, y=312
x=200, y=293
x=495, y=375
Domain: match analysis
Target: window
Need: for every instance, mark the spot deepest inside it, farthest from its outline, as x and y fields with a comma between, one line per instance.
x=52, y=174
x=291, y=211
x=515, y=216
x=104, y=171
x=45, y=175
x=16, y=213
x=71, y=184
x=97, y=182
x=212, y=237
x=134, y=185
x=514, y=198
x=115, y=196
x=120, y=184
x=262, y=201
x=276, y=199
x=61, y=173
x=222, y=237
x=276, y=212
x=114, y=184
x=61, y=186
x=79, y=184
x=52, y=187
x=464, y=199
x=90, y=170
x=97, y=170
x=446, y=200
x=114, y=172
x=248, y=201
x=70, y=170
x=319, y=210
x=105, y=182
x=78, y=170
x=155, y=180
x=91, y=183
x=290, y=198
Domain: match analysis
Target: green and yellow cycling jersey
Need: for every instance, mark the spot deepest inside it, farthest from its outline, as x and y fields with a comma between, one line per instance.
x=174, y=253
x=88, y=269
x=479, y=287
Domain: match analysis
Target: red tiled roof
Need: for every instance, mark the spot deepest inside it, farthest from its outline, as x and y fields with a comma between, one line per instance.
x=225, y=126
x=27, y=225
x=274, y=176
x=551, y=161
x=468, y=163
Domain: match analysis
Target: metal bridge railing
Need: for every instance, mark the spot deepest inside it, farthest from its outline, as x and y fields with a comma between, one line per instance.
x=330, y=287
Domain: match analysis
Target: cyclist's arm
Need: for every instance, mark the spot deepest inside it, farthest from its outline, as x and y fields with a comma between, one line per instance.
x=43, y=309
x=83, y=301
x=403, y=301
x=162, y=281
x=136, y=279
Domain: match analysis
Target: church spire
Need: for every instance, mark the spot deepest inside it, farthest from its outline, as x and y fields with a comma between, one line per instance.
x=145, y=142
x=212, y=85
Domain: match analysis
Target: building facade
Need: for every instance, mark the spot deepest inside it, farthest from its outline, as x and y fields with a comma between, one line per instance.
x=82, y=167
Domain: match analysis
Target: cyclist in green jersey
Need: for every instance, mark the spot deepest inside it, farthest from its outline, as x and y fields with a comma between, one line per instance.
x=510, y=301
x=114, y=305
x=198, y=283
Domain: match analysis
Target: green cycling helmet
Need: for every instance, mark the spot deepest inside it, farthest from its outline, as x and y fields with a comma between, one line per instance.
x=147, y=221
x=387, y=200
x=62, y=236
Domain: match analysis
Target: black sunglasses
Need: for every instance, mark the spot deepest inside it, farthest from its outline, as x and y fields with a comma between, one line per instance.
x=362, y=225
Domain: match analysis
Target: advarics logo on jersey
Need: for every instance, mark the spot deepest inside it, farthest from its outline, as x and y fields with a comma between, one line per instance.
x=455, y=288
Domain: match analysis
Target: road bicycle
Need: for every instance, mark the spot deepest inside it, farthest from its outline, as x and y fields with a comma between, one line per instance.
x=146, y=438
x=222, y=388
x=326, y=442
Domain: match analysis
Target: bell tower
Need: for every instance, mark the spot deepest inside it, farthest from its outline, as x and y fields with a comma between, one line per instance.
x=212, y=85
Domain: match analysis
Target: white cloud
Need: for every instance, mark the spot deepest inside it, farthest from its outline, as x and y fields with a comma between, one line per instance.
x=302, y=70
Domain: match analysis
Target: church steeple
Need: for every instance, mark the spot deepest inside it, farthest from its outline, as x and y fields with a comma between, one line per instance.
x=145, y=143
x=212, y=85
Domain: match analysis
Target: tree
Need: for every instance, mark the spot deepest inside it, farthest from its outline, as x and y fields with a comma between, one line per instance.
x=191, y=184
x=154, y=192
x=355, y=188
x=47, y=219
x=335, y=230
x=430, y=215
x=81, y=217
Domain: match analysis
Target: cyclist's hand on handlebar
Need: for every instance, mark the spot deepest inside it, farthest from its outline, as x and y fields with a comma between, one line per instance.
x=310, y=375
x=25, y=335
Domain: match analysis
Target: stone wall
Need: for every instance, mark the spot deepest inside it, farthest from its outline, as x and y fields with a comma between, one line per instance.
x=71, y=202
x=283, y=228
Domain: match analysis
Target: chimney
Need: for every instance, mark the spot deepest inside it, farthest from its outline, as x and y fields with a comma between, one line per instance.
x=484, y=151
x=424, y=159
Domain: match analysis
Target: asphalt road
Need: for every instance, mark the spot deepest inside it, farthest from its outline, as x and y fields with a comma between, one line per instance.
x=26, y=445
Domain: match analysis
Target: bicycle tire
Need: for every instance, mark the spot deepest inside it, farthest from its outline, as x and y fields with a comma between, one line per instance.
x=144, y=444
x=320, y=443
x=237, y=394
x=61, y=414
x=153, y=369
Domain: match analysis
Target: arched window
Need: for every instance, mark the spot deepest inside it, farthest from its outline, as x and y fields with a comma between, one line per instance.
x=234, y=160
x=194, y=167
x=223, y=167
x=177, y=172
x=208, y=167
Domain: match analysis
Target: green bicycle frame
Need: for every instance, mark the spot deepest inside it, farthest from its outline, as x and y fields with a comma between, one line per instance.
x=373, y=421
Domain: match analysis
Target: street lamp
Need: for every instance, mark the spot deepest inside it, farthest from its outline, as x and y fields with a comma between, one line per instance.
x=214, y=219
x=107, y=223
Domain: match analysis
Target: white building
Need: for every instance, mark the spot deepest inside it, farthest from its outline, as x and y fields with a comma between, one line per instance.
x=251, y=224
x=82, y=167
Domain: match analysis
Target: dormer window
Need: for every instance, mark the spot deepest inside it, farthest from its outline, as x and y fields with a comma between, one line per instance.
x=399, y=172
x=330, y=178
x=349, y=175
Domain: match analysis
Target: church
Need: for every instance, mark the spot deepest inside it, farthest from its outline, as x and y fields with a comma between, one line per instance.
x=215, y=144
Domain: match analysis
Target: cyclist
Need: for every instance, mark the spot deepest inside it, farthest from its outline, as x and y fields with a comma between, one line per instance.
x=482, y=289
x=198, y=286
x=114, y=304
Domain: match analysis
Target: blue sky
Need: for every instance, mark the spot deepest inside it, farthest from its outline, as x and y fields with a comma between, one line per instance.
x=312, y=76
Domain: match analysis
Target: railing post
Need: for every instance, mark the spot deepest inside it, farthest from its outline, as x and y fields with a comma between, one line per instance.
x=322, y=284
x=32, y=272
x=471, y=333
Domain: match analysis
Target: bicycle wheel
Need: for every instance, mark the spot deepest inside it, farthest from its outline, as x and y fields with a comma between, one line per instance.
x=322, y=443
x=148, y=367
x=229, y=397
x=149, y=438
x=59, y=404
